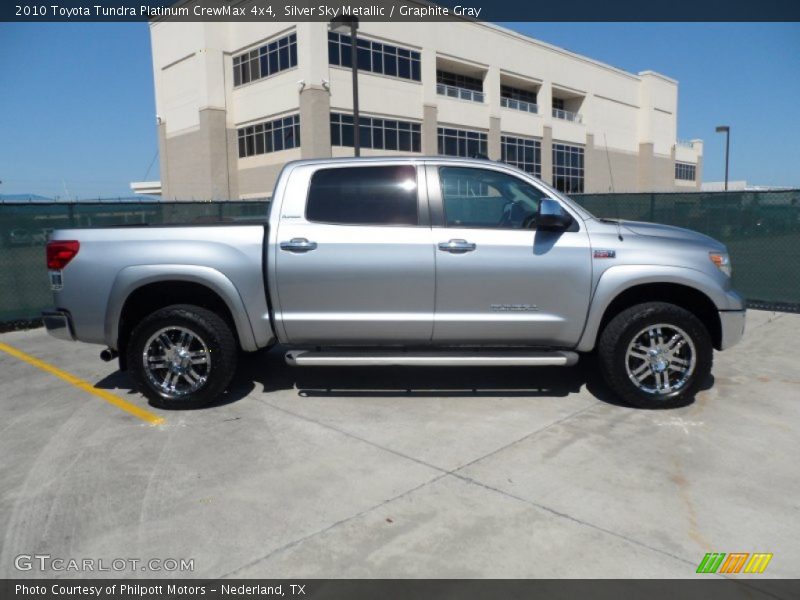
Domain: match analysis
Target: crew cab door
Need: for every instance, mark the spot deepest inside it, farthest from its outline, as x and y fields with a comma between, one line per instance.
x=354, y=257
x=498, y=279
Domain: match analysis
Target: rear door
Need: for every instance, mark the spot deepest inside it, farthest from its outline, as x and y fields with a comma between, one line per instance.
x=355, y=262
x=498, y=279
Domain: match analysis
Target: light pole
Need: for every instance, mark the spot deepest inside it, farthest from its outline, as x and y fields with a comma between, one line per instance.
x=727, y=131
x=348, y=25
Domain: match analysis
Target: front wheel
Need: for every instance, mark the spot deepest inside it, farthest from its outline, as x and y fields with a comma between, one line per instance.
x=655, y=355
x=182, y=356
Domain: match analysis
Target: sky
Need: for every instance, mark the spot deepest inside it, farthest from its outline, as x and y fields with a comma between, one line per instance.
x=77, y=111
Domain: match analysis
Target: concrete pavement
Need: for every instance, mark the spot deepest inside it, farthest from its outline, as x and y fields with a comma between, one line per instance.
x=403, y=472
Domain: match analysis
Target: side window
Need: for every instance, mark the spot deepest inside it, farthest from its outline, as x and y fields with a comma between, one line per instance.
x=364, y=196
x=487, y=199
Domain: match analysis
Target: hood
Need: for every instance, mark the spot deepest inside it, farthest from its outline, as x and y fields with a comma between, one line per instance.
x=668, y=231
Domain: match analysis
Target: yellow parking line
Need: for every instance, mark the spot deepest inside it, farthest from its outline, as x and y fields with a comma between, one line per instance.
x=83, y=385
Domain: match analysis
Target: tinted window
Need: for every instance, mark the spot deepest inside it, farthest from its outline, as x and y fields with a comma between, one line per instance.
x=364, y=196
x=487, y=199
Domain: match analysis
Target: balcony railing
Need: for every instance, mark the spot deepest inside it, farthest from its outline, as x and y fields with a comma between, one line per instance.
x=519, y=105
x=567, y=115
x=452, y=91
x=685, y=143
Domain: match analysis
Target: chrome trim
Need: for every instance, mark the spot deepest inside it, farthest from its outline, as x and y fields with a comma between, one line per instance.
x=457, y=246
x=58, y=324
x=732, y=324
x=333, y=358
x=176, y=361
x=661, y=359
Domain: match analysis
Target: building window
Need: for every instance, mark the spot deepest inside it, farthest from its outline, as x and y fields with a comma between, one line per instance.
x=267, y=60
x=518, y=99
x=378, y=134
x=685, y=171
x=507, y=91
x=364, y=196
x=461, y=142
x=374, y=57
x=455, y=85
x=558, y=103
x=523, y=153
x=568, y=168
x=270, y=136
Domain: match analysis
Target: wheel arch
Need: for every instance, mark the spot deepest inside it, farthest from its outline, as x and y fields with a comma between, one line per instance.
x=696, y=296
x=137, y=293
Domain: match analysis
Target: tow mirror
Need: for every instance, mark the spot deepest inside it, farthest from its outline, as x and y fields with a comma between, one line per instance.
x=551, y=216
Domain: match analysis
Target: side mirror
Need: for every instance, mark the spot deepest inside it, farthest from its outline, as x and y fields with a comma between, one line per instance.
x=551, y=216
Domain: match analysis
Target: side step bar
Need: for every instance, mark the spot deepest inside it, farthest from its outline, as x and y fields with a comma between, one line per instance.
x=445, y=358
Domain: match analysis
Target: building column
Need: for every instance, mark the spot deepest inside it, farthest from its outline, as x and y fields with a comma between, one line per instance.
x=646, y=168
x=547, y=154
x=430, y=134
x=215, y=139
x=163, y=164
x=697, y=146
x=493, y=146
x=315, y=122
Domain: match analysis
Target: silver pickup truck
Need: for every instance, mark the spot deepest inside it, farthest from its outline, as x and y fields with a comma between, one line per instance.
x=400, y=261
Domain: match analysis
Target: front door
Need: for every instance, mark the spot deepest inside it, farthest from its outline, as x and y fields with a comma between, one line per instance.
x=498, y=279
x=355, y=261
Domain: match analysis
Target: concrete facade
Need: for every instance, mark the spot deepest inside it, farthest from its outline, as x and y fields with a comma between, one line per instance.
x=624, y=124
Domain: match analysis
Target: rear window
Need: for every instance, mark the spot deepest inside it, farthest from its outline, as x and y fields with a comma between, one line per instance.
x=364, y=196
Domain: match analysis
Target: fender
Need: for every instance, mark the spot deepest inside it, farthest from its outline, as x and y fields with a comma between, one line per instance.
x=617, y=279
x=132, y=278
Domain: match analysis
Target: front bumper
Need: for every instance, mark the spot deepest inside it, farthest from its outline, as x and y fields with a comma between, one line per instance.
x=732, y=322
x=58, y=324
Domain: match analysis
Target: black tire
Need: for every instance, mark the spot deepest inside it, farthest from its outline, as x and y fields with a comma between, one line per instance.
x=214, y=341
x=620, y=370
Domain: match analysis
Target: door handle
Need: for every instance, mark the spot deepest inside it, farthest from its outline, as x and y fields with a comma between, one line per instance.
x=457, y=246
x=298, y=245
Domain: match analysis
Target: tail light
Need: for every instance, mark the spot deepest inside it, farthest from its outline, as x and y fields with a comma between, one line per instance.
x=60, y=252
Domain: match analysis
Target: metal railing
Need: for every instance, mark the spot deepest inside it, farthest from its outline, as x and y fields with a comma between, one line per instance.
x=685, y=143
x=519, y=105
x=452, y=91
x=566, y=115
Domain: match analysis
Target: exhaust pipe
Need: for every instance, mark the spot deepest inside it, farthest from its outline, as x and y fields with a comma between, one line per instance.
x=108, y=354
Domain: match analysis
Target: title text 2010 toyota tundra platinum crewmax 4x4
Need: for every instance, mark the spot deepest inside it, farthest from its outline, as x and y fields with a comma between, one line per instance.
x=400, y=261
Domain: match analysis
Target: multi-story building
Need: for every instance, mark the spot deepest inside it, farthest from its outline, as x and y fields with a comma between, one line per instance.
x=236, y=101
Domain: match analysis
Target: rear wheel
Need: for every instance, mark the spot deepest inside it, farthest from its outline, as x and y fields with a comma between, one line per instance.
x=655, y=355
x=182, y=356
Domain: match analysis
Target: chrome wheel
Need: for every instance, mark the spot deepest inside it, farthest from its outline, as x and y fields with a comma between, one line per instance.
x=176, y=361
x=660, y=359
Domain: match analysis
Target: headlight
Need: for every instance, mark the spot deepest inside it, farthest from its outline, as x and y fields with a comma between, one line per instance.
x=722, y=261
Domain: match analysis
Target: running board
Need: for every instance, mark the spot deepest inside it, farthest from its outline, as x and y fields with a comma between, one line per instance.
x=445, y=358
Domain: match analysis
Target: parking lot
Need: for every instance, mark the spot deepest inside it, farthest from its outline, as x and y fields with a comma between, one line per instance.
x=402, y=472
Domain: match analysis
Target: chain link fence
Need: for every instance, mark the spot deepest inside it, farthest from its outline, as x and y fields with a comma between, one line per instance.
x=761, y=230
x=25, y=227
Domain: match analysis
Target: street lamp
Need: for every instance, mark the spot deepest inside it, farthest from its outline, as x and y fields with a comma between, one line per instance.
x=727, y=131
x=348, y=25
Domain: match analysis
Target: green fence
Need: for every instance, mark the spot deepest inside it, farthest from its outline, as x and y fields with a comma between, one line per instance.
x=761, y=230
x=24, y=228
